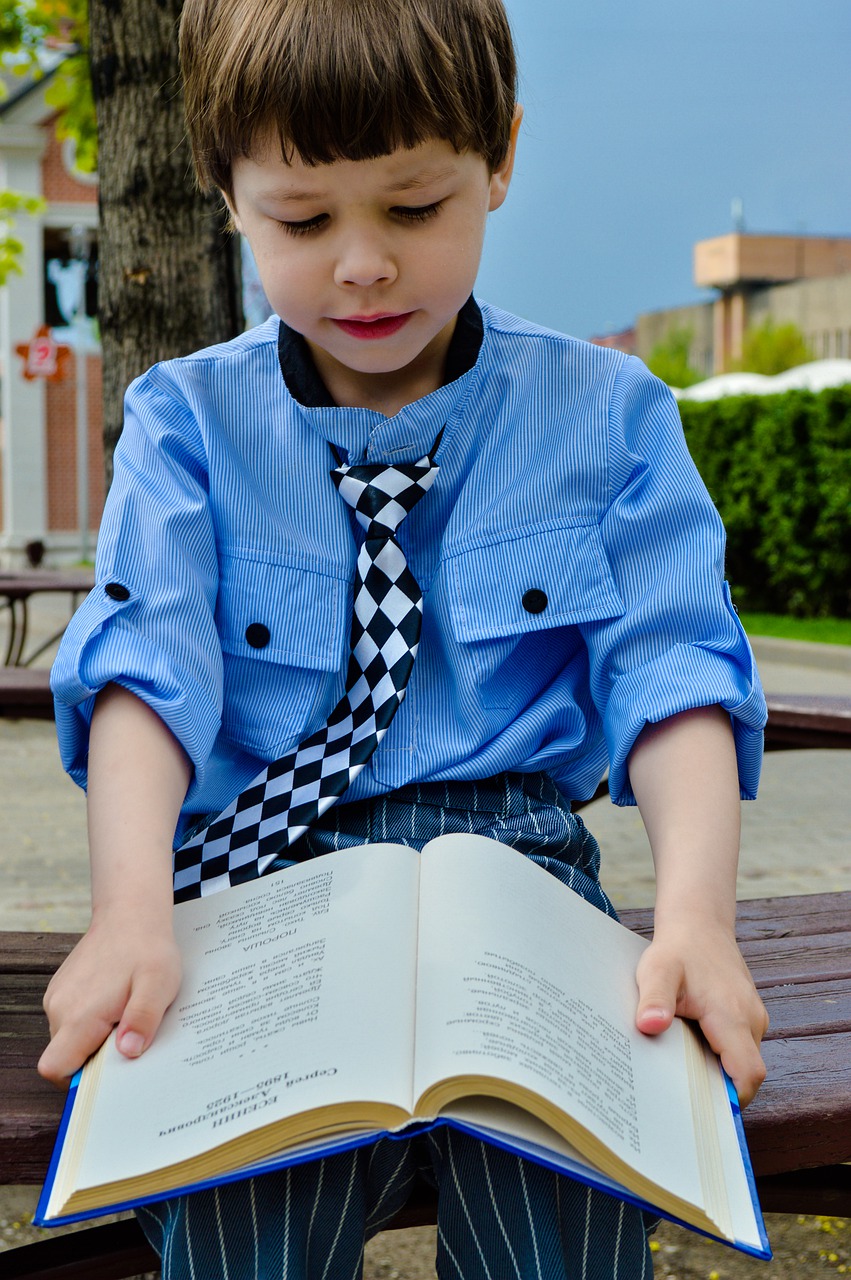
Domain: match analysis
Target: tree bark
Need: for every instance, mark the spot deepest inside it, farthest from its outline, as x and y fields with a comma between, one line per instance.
x=169, y=278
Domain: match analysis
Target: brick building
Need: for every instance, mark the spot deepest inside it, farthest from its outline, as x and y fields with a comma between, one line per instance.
x=40, y=497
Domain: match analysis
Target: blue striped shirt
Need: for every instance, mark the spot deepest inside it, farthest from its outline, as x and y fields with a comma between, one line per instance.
x=563, y=472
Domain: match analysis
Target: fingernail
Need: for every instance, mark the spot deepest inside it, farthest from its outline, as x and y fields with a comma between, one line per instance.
x=131, y=1044
x=654, y=1015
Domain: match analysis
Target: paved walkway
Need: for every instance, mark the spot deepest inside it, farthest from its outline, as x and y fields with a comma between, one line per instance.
x=795, y=836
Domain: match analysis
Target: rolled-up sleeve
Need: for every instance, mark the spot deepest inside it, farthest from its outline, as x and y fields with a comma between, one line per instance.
x=149, y=623
x=679, y=643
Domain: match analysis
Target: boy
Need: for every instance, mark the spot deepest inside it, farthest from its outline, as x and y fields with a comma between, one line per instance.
x=574, y=609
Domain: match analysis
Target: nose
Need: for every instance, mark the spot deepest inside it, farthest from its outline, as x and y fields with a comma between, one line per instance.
x=364, y=259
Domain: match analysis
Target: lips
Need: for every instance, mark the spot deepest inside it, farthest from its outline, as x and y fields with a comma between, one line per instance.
x=378, y=326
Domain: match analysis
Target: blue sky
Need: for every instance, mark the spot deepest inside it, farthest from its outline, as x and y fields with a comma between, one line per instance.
x=644, y=120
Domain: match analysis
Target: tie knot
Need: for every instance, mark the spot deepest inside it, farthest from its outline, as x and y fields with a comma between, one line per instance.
x=382, y=496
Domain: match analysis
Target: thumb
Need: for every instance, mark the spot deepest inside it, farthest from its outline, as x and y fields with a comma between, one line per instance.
x=659, y=985
x=143, y=1013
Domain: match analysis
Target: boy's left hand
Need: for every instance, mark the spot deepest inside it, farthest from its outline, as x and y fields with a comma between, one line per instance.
x=695, y=970
x=685, y=777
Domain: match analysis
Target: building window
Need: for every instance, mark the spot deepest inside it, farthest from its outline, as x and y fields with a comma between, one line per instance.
x=57, y=248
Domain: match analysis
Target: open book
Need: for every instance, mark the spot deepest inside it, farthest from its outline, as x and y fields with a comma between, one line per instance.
x=378, y=988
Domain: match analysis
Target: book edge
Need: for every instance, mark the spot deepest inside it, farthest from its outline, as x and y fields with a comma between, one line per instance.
x=750, y=1176
x=291, y=1159
x=56, y=1153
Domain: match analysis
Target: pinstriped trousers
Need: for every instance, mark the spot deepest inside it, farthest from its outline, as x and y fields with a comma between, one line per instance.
x=499, y=1217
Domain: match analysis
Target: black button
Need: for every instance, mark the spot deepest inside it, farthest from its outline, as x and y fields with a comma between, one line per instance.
x=117, y=591
x=258, y=635
x=535, y=601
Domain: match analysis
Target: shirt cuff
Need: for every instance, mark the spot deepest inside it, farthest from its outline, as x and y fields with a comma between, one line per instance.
x=101, y=646
x=685, y=677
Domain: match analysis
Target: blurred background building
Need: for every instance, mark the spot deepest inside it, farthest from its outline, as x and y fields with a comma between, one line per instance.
x=800, y=280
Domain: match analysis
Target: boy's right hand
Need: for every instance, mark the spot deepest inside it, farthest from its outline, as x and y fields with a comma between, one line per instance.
x=124, y=972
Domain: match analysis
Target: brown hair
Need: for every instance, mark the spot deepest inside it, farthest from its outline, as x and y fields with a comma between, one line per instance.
x=344, y=79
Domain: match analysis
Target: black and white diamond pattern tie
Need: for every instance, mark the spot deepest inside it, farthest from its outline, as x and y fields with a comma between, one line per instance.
x=282, y=801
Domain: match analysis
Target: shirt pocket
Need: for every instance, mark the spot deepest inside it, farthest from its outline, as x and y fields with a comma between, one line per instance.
x=511, y=602
x=284, y=637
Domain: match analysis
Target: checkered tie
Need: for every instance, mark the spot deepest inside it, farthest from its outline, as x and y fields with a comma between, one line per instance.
x=282, y=801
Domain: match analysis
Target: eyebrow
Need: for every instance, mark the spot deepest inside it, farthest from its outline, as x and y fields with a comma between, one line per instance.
x=413, y=183
x=421, y=179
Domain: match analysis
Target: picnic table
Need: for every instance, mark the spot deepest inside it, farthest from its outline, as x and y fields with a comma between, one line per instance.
x=16, y=590
x=24, y=688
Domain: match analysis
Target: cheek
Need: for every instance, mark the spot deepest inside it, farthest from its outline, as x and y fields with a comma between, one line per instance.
x=457, y=256
x=281, y=272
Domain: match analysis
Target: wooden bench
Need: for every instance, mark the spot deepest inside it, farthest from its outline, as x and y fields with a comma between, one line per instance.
x=794, y=720
x=797, y=720
x=799, y=1127
x=25, y=689
x=25, y=693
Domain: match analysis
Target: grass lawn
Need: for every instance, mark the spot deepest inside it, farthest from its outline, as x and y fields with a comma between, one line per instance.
x=820, y=630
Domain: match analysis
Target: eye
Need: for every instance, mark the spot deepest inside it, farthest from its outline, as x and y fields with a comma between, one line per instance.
x=419, y=213
x=303, y=228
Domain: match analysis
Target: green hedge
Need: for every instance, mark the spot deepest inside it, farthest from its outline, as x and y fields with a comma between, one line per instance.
x=779, y=470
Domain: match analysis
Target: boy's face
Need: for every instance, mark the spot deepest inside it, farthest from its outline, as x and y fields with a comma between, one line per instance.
x=370, y=260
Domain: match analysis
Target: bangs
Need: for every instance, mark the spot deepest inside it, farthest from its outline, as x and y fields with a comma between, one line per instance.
x=346, y=79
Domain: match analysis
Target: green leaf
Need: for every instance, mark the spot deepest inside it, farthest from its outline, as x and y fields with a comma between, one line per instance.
x=13, y=203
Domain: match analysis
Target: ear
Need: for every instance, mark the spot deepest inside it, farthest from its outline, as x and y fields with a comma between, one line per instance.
x=234, y=223
x=501, y=177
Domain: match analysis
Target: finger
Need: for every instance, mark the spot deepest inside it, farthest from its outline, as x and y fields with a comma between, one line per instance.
x=150, y=996
x=659, y=986
x=745, y=1067
x=73, y=1043
x=737, y=1045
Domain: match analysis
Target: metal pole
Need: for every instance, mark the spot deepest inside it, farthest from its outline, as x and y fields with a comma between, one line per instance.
x=80, y=242
x=82, y=374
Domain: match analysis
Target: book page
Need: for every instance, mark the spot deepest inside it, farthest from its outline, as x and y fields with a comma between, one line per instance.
x=520, y=978
x=290, y=983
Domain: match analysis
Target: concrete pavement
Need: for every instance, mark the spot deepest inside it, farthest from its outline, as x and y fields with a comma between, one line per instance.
x=795, y=836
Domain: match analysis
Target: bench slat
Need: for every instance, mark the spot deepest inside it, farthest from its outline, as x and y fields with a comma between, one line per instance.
x=25, y=693
x=34, y=952
x=773, y=961
x=807, y=721
x=801, y=1118
x=110, y=1251
x=799, y=915
x=808, y=1009
x=808, y=915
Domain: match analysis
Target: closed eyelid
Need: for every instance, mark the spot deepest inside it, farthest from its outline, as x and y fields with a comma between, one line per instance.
x=405, y=213
x=418, y=211
x=302, y=227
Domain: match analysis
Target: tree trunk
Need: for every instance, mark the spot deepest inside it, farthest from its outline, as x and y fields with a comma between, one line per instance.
x=169, y=279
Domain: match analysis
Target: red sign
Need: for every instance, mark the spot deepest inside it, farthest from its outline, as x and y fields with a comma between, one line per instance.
x=43, y=357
